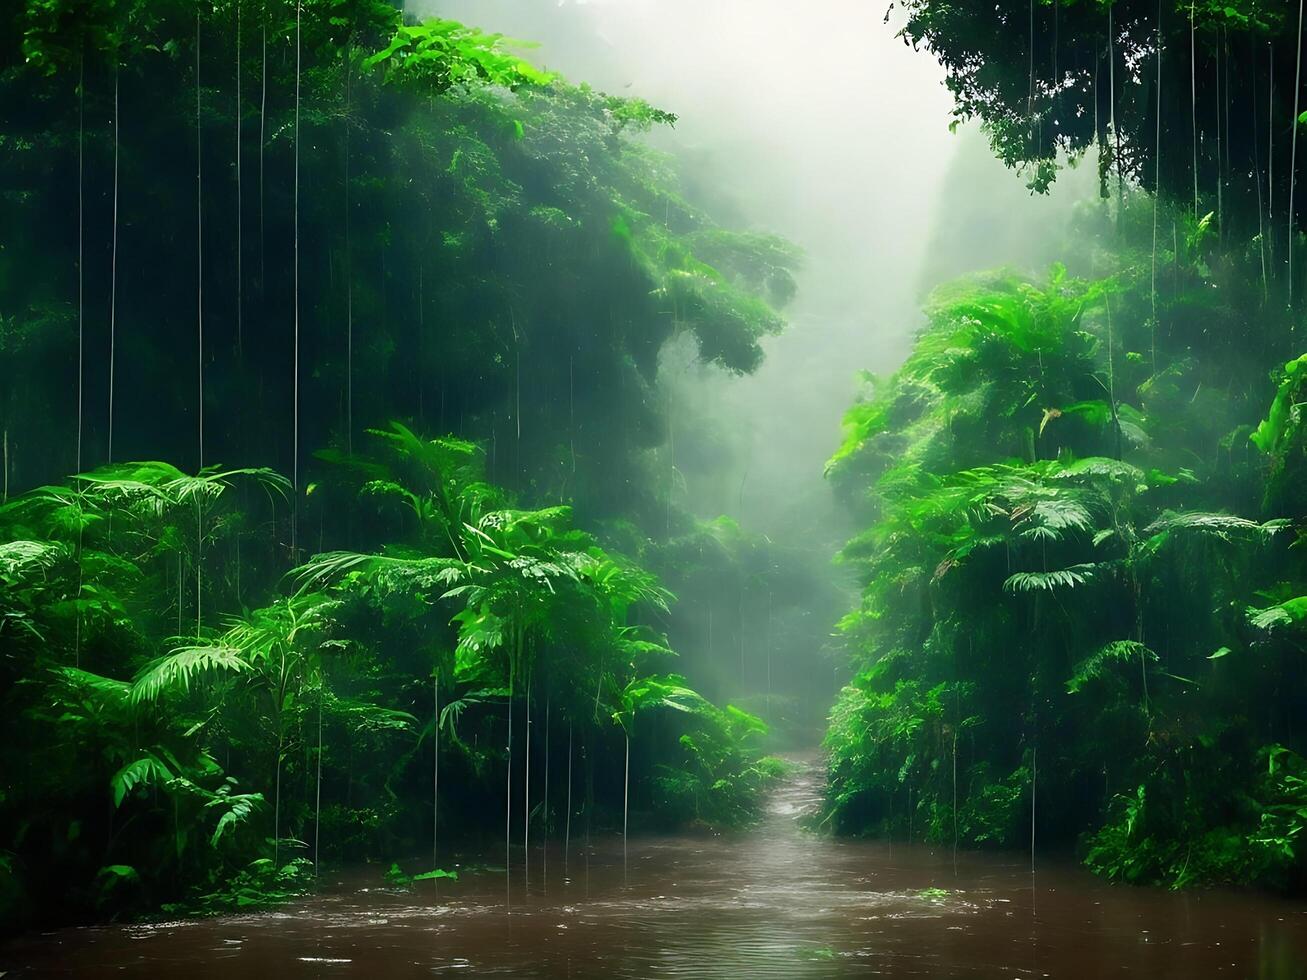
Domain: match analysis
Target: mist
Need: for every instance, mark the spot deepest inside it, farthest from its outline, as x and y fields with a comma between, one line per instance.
x=826, y=128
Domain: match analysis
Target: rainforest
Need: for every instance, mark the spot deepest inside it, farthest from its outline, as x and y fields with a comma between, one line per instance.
x=631, y=489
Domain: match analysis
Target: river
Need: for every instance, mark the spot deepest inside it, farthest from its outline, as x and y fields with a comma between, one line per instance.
x=776, y=901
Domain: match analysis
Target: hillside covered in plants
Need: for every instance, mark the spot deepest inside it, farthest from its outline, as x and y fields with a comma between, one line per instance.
x=1083, y=616
x=385, y=302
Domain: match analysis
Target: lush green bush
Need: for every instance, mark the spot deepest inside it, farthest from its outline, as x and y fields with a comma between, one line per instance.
x=720, y=780
x=211, y=676
x=174, y=750
x=1075, y=608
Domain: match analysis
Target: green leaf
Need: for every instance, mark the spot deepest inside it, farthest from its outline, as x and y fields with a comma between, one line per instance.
x=124, y=872
x=1273, y=431
x=140, y=772
x=437, y=873
x=1097, y=664
x=1061, y=578
x=1291, y=612
x=179, y=668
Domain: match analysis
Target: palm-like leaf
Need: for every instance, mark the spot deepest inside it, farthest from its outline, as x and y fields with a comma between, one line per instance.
x=182, y=666
x=1060, y=578
x=1097, y=664
x=142, y=771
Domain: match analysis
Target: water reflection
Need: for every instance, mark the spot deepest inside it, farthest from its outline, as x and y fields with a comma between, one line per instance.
x=776, y=902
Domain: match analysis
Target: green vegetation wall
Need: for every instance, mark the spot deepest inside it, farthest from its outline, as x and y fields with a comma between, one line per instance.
x=235, y=211
x=1082, y=621
x=387, y=302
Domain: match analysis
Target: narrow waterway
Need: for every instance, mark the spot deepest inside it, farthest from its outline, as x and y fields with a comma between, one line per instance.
x=774, y=902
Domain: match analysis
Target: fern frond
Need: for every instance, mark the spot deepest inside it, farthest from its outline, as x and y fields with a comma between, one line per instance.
x=1061, y=578
x=329, y=566
x=23, y=559
x=1101, y=466
x=1223, y=526
x=106, y=688
x=238, y=808
x=140, y=772
x=1285, y=613
x=181, y=666
x=1103, y=659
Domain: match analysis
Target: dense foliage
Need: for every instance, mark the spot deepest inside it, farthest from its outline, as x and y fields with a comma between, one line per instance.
x=412, y=223
x=261, y=231
x=1195, y=100
x=1083, y=611
x=319, y=720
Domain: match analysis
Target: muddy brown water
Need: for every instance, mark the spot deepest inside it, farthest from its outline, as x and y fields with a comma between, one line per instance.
x=775, y=901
